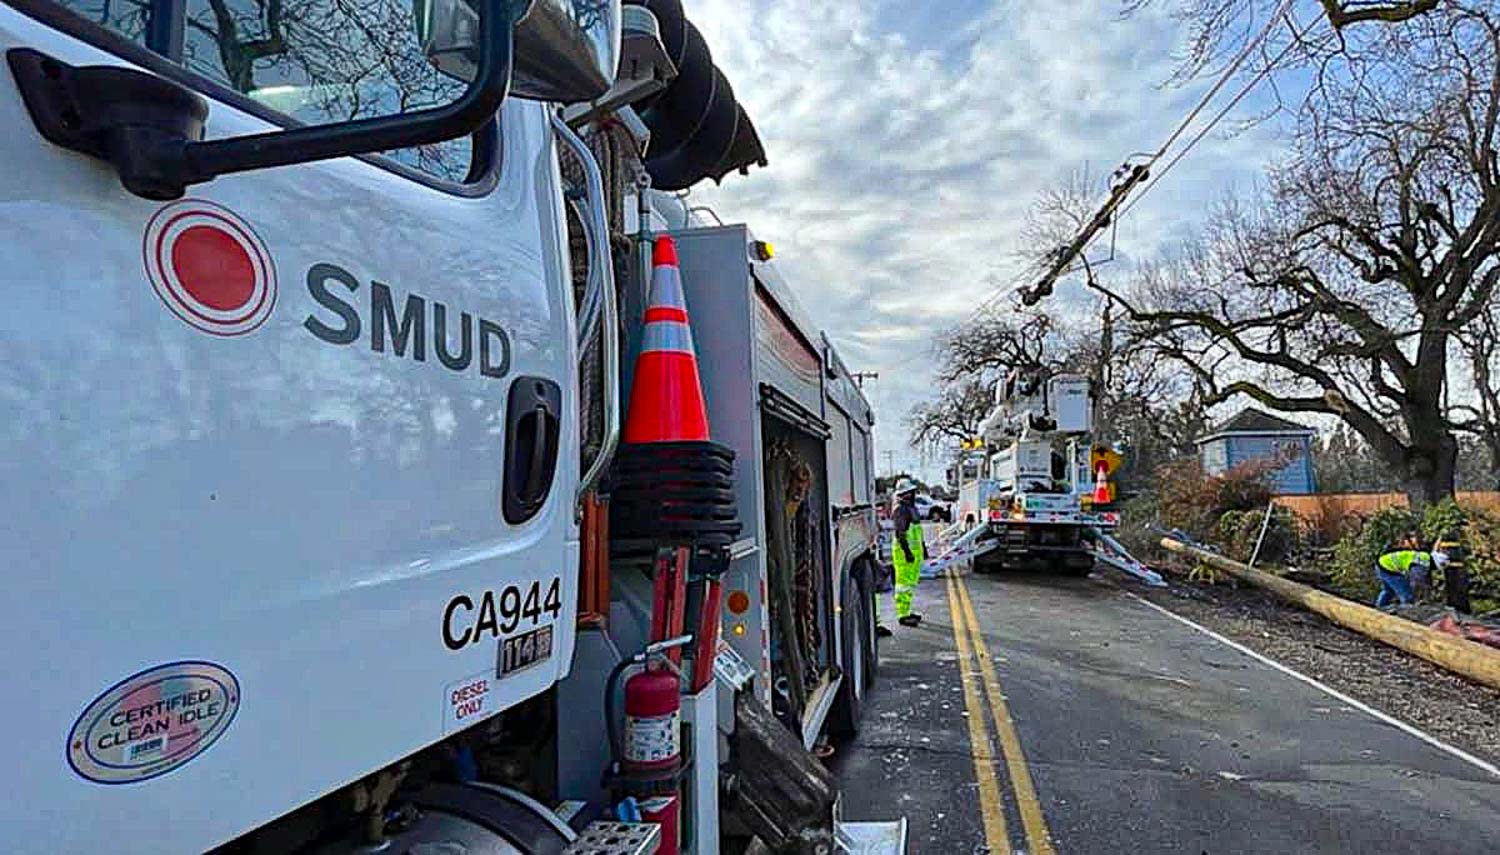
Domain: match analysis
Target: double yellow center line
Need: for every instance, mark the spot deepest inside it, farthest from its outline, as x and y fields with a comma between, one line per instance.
x=977, y=669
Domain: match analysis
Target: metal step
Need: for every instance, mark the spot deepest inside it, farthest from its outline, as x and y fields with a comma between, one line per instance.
x=966, y=548
x=603, y=837
x=1112, y=552
x=871, y=838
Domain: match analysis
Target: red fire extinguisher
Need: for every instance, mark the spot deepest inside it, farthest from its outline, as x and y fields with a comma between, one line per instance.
x=653, y=742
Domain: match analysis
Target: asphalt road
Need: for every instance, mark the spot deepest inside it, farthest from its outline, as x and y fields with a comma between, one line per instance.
x=1095, y=723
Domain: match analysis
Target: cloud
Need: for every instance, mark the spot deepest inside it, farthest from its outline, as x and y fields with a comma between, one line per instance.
x=906, y=142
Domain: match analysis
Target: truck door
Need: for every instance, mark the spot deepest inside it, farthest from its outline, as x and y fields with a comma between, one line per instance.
x=285, y=482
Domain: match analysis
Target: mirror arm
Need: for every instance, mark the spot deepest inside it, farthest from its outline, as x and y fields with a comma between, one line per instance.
x=204, y=161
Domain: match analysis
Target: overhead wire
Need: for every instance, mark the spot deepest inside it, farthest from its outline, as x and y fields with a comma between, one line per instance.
x=1212, y=123
x=1229, y=72
x=1282, y=11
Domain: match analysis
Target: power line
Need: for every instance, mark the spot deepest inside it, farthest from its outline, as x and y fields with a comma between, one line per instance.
x=1032, y=269
x=1203, y=132
x=1229, y=72
x=1111, y=209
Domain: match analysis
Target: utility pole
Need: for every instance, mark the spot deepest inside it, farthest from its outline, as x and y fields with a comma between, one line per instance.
x=1101, y=374
x=890, y=464
x=1063, y=257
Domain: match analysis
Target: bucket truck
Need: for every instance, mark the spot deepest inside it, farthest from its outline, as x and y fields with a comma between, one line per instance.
x=1036, y=492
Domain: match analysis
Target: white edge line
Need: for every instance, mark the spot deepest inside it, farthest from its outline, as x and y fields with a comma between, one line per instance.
x=1328, y=690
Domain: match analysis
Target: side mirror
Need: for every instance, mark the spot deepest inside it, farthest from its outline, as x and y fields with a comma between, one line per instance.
x=568, y=50
x=449, y=33
x=565, y=50
x=151, y=129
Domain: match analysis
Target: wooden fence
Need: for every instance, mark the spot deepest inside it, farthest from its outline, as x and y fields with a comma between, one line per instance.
x=1329, y=512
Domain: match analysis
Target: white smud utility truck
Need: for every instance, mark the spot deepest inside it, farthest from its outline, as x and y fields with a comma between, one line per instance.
x=1040, y=495
x=310, y=405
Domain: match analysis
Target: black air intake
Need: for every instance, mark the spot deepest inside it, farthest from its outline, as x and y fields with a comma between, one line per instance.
x=698, y=129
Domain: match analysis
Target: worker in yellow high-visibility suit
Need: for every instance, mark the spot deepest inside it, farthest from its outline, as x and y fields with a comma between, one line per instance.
x=906, y=551
x=1395, y=569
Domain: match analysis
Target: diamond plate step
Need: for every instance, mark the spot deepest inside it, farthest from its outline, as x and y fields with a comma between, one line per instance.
x=602, y=837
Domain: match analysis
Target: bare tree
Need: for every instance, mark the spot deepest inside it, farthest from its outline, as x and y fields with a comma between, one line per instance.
x=1341, y=287
x=953, y=416
x=1148, y=406
x=994, y=342
x=1218, y=31
x=1478, y=416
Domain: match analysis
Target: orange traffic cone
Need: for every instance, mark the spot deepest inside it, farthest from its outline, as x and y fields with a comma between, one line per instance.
x=666, y=399
x=1101, y=485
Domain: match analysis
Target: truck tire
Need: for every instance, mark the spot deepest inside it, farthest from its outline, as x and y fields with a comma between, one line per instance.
x=844, y=719
x=864, y=579
x=986, y=564
x=1075, y=565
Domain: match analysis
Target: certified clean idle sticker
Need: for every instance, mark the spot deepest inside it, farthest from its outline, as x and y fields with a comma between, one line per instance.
x=153, y=722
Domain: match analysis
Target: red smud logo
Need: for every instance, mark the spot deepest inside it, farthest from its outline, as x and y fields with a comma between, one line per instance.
x=209, y=267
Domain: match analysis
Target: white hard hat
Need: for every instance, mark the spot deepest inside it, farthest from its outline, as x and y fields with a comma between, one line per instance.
x=905, y=485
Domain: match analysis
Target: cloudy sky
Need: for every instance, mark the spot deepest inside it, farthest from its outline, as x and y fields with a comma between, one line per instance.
x=906, y=141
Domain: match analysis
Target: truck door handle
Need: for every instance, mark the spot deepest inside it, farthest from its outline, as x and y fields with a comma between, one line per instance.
x=532, y=433
x=534, y=483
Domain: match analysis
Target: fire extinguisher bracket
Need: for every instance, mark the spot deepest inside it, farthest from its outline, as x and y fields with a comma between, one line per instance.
x=636, y=782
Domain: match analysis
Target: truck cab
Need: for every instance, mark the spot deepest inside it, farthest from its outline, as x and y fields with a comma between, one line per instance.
x=312, y=383
x=292, y=495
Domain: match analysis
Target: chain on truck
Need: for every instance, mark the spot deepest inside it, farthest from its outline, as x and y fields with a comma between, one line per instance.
x=322, y=538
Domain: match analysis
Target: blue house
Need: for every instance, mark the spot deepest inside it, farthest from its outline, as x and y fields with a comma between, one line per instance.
x=1255, y=435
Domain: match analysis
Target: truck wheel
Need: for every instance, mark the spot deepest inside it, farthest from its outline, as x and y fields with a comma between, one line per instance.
x=1075, y=565
x=864, y=580
x=844, y=719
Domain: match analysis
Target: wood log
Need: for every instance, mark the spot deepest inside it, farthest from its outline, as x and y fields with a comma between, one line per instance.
x=782, y=793
x=1475, y=661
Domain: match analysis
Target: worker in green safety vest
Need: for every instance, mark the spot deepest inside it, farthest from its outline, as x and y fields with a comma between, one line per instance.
x=1395, y=569
x=906, y=551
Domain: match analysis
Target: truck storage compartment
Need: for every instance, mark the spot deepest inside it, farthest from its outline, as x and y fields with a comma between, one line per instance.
x=794, y=468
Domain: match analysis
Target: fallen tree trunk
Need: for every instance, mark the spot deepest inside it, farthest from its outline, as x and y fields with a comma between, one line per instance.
x=1475, y=661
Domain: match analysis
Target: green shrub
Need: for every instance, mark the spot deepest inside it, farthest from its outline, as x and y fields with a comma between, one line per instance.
x=1443, y=521
x=1239, y=530
x=1477, y=532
